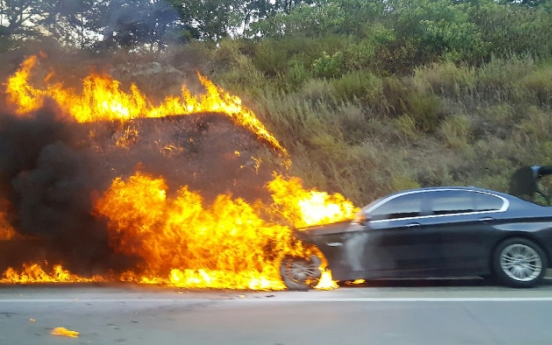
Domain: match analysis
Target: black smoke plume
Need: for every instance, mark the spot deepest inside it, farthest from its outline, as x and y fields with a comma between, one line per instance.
x=47, y=176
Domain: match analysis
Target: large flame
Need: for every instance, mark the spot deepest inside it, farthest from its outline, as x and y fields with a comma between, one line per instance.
x=308, y=207
x=186, y=243
x=102, y=99
x=182, y=240
x=34, y=273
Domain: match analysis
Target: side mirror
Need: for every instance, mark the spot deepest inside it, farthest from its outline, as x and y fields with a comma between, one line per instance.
x=362, y=218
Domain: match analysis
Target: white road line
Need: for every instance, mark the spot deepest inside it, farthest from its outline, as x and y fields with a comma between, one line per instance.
x=412, y=299
x=286, y=300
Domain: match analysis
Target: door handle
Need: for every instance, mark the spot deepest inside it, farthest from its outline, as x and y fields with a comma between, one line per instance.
x=486, y=219
x=413, y=225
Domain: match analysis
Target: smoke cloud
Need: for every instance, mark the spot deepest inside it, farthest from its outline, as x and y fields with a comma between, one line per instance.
x=48, y=177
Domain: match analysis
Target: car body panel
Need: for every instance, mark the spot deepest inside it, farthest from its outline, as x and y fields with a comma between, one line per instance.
x=429, y=245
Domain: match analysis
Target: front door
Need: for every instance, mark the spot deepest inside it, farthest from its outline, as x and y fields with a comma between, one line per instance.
x=392, y=236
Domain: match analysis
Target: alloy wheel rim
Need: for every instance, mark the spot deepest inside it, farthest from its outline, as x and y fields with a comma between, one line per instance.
x=301, y=270
x=521, y=262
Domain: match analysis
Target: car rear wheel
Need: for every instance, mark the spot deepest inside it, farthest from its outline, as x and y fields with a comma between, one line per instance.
x=299, y=273
x=519, y=263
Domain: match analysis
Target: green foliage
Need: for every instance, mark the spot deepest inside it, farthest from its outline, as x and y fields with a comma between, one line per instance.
x=328, y=66
x=446, y=78
x=296, y=76
x=536, y=125
x=358, y=85
x=425, y=110
x=455, y=131
x=513, y=29
x=317, y=91
x=401, y=182
x=539, y=82
x=406, y=127
x=440, y=28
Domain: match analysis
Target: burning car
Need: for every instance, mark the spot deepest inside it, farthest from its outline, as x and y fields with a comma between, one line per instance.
x=437, y=232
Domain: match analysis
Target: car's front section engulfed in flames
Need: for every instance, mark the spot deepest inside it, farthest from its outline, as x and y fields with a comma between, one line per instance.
x=171, y=232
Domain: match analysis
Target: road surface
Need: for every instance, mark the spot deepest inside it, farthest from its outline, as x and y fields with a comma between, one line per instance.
x=440, y=312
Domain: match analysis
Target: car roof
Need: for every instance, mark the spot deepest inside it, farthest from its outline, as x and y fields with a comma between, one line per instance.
x=439, y=188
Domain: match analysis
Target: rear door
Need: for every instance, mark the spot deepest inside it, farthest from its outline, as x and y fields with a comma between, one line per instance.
x=461, y=231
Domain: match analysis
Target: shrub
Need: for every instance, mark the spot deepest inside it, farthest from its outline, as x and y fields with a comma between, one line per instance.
x=539, y=82
x=295, y=76
x=446, y=78
x=425, y=110
x=353, y=122
x=455, y=131
x=406, y=127
x=537, y=125
x=500, y=72
x=402, y=182
x=269, y=59
x=316, y=90
x=395, y=93
x=328, y=66
x=358, y=85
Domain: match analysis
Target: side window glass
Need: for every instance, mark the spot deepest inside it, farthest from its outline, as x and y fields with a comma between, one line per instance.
x=487, y=202
x=451, y=202
x=405, y=206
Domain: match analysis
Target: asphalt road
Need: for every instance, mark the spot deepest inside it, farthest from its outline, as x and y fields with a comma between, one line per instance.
x=406, y=312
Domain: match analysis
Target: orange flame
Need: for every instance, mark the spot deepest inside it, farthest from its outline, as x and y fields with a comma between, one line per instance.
x=187, y=244
x=326, y=282
x=103, y=99
x=308, y=207
x=183, y=241
x=34, y=273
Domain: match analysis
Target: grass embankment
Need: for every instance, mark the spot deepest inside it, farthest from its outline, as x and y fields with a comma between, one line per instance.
x=365, y=135
x=356, y=123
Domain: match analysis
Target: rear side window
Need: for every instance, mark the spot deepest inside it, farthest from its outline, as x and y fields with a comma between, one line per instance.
x=451, y=202
x=487, y=202
x=404, y=206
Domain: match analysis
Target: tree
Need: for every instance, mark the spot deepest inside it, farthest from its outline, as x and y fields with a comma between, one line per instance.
x=127, y=23
x=210, y=19
x=16, y=15
x=71, y=21
x=437, y=28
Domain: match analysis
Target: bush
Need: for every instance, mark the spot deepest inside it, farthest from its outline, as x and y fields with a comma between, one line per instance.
x=501, y=72
x=406, y=127
x=317, y=91
x=455, y=131
x=425, y=110
x=358, y=85
x=328, y=66
x=539, y=82
x=402, y=182
x=295, y=77
x=446, y=78
x=537, y=125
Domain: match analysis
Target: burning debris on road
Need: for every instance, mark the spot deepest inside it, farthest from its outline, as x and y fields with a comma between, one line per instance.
x=105, y=185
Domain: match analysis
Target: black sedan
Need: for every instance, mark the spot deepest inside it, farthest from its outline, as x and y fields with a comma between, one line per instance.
x=433, y=232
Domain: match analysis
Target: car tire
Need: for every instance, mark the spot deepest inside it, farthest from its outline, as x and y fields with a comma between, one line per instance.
x=299, y=273
x=519, y=263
